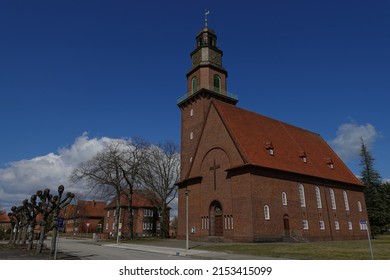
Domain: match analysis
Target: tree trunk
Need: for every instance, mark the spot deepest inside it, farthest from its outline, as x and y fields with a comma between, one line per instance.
x=131, y=218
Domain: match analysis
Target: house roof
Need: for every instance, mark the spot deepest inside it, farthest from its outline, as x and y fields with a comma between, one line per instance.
x=4, y=217
x=141, y=199
x=85, y=208
x=269, y=143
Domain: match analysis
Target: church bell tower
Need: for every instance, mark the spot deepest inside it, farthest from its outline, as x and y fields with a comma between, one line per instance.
x=206, y=80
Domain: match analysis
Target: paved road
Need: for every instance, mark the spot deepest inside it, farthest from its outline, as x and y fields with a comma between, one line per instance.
x=90, y=250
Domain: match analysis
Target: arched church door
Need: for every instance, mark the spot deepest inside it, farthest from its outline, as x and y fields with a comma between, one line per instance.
x=216, y=219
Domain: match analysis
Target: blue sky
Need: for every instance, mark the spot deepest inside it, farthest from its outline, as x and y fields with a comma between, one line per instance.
x=78, y=73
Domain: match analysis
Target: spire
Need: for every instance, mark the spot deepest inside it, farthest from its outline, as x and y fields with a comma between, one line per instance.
x=206, y=13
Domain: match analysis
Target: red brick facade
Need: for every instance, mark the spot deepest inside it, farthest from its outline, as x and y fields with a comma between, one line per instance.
x=86, y=216
x=146, y=217
x=251, y=178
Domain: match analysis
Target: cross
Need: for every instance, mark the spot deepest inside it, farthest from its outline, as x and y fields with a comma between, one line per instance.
x=206, y=12
x=214, y=168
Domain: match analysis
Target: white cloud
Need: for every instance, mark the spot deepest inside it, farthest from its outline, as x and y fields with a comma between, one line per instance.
x=347, y=143
x=20, y=179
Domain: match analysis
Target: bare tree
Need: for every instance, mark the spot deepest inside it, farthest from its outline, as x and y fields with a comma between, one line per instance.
x=103, y=174
x=134, y=161
x=114, y=172
x=160, y=175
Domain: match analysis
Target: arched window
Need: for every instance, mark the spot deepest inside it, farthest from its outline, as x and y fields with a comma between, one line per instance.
x=360, y=206
x=332, y=199
x=217, y=83
x=266, y=212
x=194, y=84
x=346, y=202
x=318, y=197
x=302, y=195
x=284, y=198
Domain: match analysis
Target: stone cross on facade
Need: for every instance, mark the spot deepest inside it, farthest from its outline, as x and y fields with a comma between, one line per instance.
x=214, y=168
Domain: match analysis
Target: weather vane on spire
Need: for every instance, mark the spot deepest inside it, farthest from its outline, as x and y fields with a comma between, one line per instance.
x=206, y=12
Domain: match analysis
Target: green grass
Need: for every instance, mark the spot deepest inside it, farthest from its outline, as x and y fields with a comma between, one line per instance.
x=335, y=250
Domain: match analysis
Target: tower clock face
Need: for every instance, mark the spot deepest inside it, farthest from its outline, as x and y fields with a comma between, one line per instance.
x=215, y=58
x=196, y=58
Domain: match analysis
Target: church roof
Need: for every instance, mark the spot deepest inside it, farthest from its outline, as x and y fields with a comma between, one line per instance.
x=269, y=143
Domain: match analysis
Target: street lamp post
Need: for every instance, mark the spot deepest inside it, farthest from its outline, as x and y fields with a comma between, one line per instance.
x=187, y=235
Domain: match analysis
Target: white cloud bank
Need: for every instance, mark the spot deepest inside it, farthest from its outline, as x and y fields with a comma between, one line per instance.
x=347, y=143
x=21, y=179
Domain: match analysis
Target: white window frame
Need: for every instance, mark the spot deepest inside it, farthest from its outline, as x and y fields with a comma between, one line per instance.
x=302, y=198
x=305, y=224
x=284, y=199
x=346, y=202
x=336, y=225
x=333, y=199
x=318, y=197
x=322, y=225
x=267, y=215
x=360, y=206
x=350, y=226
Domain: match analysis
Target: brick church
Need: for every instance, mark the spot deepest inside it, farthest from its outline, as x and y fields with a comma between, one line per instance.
x=251, y=178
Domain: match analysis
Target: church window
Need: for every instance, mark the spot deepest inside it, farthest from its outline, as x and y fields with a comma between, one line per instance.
x=336, y=225
x=318, y=197
x=191, y=135
x=359, y=206
x=305, y=224
x=363, y=226
x=322, y=225
x=217, y=83
x=190, y=159
x=284, y=198
x=302, y=195
x=346, y=202
x=228, y=221
x=194, y=84
x=192, y=113
x=332, y=199
x=350, y=225
x=266, y=213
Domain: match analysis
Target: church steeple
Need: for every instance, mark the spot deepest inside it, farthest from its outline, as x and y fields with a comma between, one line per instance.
x=206, y=80
x=207, y=71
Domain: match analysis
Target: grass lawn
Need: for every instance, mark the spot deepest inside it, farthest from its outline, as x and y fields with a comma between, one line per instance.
x=332, y=250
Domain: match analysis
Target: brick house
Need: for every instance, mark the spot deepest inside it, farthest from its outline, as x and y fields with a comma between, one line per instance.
x=5, y=222
x=250, y=178
x=146, y=216
x=86, y=216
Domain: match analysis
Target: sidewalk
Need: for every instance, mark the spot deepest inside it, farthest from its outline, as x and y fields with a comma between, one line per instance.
x=177, y=247
x=170, y=247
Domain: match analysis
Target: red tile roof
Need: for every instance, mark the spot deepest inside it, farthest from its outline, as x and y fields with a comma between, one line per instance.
x=4, y=217
x=254, y=135
x=85, y=208
x=141, y=199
